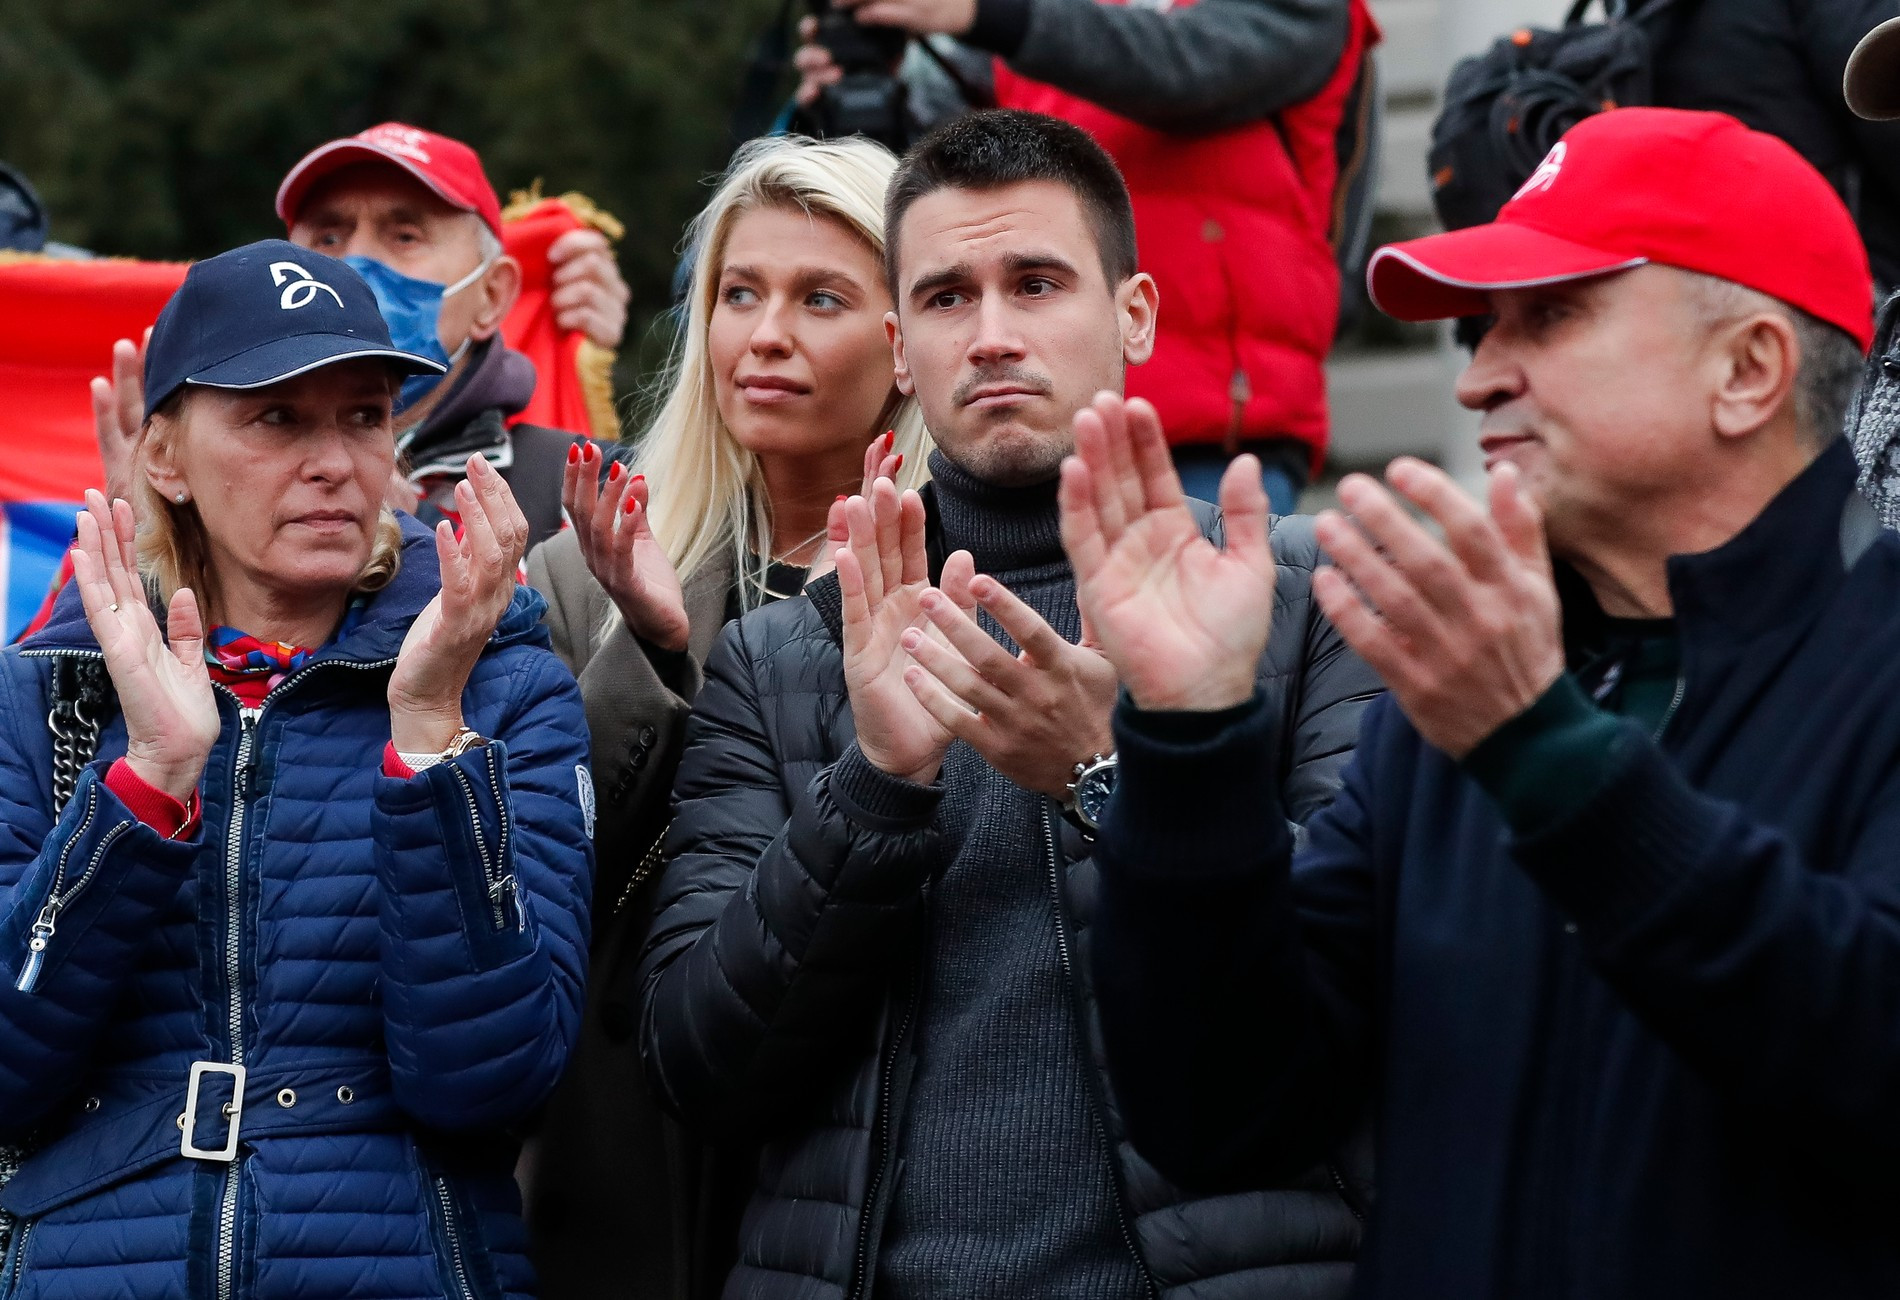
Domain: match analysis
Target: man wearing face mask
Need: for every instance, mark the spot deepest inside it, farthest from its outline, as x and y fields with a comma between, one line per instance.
x=414, y=214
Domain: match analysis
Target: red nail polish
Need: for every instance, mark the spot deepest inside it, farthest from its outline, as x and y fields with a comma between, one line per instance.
x=890, y=439
x=613, y=472
x=639, y=478
x=589, y=454
x=898, y=466
x=633, y=504
x=574, y=453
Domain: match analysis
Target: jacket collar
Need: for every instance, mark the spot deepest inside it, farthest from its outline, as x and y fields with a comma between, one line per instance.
x=377, y=636
x=498, y=382
x=1787, y=564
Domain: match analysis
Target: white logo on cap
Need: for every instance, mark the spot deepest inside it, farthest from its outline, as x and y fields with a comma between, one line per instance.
x=303, y=287
x=1546, y=174
x=405, y=140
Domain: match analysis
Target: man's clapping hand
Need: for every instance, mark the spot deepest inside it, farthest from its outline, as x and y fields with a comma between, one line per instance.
x=1032, y=716
x=883, y=573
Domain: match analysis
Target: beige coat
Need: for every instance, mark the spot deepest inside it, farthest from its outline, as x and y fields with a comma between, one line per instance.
x=620, y=1203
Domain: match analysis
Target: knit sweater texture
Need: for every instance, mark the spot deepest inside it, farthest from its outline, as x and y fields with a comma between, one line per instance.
x=1006, y=1190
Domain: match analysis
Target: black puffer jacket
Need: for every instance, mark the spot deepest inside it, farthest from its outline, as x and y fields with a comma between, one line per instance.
x=778, y=977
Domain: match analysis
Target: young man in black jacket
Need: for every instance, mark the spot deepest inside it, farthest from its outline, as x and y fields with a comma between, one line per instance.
x=873, y=923
x=1607, y=915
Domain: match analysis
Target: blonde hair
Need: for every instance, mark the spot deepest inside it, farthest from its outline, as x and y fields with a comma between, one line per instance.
x=708, y=493
x=173, y=551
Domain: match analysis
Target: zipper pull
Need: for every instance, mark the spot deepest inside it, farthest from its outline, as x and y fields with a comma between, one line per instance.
x=42, y=937
x=246, y=775
x=508, y=888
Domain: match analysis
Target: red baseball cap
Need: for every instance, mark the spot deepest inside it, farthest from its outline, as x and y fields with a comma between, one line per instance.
x=448, y=167
x=1697, y=191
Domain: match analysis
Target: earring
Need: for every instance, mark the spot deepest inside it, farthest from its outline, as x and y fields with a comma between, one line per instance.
x=181, y=498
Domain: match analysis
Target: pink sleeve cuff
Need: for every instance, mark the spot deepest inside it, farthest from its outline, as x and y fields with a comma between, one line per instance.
x=151, y=805
x=393, y=766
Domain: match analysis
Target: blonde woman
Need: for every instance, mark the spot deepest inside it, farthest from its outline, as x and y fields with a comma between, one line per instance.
x=780, y=400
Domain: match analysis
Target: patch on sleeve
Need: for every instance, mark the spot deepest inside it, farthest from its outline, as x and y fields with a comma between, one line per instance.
x=584, y=782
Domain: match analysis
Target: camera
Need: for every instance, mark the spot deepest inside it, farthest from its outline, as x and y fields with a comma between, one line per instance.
x=868, y=99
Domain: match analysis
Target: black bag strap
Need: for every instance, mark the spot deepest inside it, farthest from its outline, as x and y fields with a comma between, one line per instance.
x=81, y=700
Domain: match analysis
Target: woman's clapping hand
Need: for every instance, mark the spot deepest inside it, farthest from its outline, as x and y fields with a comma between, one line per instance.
x=164, y=690
x=618, y=546
x=478, y=582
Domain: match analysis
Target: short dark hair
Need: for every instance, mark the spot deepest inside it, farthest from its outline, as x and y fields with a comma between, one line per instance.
x=1005, y=146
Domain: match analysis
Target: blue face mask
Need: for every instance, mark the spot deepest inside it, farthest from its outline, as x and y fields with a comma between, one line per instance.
x=411, y=308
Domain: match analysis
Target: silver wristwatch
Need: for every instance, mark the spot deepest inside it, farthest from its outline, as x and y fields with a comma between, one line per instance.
x=1089, y=787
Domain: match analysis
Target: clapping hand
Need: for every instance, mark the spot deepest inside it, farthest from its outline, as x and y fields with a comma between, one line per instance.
x=118, y=412
x=1184, y=622
x=1467, y=632
x=620, y=550
x=879, y=462
x=447, y=638
x=1032, y=715
x=883, y=573
x=164, y=690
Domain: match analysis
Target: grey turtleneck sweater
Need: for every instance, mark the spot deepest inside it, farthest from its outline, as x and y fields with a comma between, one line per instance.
x=1006, y=1191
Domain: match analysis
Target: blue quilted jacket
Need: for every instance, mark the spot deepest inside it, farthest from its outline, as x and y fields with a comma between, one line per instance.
x=395, y=965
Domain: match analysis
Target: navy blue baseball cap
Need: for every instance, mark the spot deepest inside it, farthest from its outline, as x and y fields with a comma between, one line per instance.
x=262, y=313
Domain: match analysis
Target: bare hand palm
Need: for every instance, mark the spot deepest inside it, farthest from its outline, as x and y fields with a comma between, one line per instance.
x=883, y=574
x=619, y=548
x=164, y=689
x=1183, y=620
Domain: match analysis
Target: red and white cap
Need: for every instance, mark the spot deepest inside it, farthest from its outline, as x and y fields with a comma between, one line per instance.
x=448, y=167
x=1697, y=191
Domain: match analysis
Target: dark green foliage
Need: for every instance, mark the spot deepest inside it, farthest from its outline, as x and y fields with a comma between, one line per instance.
x=160, y=128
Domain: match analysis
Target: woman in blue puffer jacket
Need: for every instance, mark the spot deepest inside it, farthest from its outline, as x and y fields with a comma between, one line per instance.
x=309, y=934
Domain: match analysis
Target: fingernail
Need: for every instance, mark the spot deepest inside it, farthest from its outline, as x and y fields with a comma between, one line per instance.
x=841, y=497
x=890, y=439
x=589, y=453
x=613, y=472
x=639, y=478
x=633, y=504
x=574, y=453
x=900, y=465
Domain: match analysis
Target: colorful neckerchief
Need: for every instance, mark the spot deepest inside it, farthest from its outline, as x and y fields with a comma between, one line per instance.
x=251, y=668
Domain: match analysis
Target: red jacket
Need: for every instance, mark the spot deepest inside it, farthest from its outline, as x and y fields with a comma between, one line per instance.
x=1235, y=226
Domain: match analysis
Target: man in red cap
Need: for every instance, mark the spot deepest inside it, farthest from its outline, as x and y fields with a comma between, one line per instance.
x=414, y=213
x=1605, y=922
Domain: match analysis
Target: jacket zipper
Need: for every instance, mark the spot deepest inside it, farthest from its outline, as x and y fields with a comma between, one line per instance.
x=860, y=1269
x=452, y=1233
x=61, y=896
x=1088, y=1059
x=502, y=890
x=233, y=974
x=16, y=1257
x=248, y=719
x=1675, y=702
x=1346, y=1193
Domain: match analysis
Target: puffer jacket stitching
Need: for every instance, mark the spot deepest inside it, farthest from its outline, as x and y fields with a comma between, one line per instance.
x=799, y=744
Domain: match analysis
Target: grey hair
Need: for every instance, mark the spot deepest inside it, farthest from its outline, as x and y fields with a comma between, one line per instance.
x=1831, y=360
x=487, y=242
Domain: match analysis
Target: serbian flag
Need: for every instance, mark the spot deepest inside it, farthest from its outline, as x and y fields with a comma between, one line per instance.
x=60, y=318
